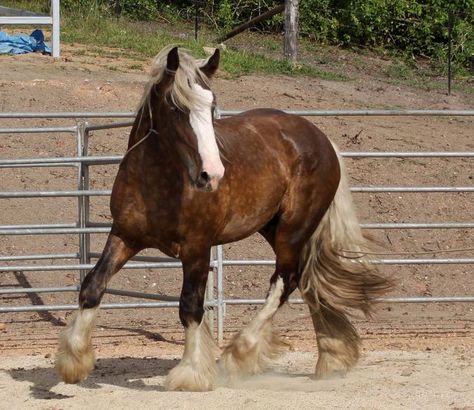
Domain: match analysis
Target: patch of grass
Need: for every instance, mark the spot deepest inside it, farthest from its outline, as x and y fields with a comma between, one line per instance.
x=111, y=33
x=238, y=63
x=136, y=67
x=271, y=44
x=399, y=70
x=400, y=73
x=146, y=40
x=37, y=6
x=81, y=52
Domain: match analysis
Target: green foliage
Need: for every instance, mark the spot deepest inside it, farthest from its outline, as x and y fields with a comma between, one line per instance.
x=170, y=13
x=415, y=27
x=225, y=14
x=225, y=17
x=85, y=8
x=143, y=10
x=39, y=6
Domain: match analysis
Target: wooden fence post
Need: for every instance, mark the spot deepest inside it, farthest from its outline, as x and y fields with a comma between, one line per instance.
x=291, y=30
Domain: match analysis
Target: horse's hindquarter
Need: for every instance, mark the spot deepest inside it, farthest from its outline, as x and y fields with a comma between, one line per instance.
x=270, y=152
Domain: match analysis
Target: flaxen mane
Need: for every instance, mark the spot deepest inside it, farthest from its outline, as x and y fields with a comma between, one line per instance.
x=183, y=95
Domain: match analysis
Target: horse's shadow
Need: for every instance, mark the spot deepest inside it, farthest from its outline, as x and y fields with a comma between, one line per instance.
x=125, y=372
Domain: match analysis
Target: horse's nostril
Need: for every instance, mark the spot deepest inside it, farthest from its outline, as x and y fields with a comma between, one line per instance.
x=205, y=176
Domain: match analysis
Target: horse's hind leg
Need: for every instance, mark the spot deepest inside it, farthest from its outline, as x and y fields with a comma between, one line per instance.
x=250, y=349
x=75, y=357
x=256, y=343
x=338, y=341
x=197, y=369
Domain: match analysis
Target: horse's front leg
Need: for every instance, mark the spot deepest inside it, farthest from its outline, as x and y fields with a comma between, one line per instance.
x=197, y=369
x=75, y=358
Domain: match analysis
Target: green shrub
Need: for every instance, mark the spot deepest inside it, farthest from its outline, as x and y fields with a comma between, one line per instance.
x=143, y=10
x=415, y=27
x=225, y=17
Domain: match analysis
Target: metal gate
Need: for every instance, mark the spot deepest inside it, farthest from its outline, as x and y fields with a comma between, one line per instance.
x=216, y=301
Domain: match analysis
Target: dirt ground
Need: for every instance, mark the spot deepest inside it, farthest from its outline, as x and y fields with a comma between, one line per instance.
x=383, y=380
x=415, y=356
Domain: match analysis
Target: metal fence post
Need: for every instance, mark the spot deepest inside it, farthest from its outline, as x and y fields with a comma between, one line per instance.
x=86, y=186
x=55, y=14
x=210, y=298
x=83, y=201
x=220, y=294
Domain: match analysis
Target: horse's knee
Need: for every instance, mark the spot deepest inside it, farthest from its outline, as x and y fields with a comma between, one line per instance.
x=114, y=256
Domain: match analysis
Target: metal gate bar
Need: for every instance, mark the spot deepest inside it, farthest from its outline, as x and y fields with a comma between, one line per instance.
x=228, y=113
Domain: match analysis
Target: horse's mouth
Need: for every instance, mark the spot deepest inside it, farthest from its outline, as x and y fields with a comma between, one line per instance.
x=210, y=186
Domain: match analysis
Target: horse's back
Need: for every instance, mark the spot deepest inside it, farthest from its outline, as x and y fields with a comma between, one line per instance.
x=290, y=137
x=261, y=112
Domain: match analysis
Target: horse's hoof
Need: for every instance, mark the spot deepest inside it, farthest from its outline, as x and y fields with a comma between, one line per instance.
x=250, y=353
x=329, y=367
x=185, y=377
x=74, y=369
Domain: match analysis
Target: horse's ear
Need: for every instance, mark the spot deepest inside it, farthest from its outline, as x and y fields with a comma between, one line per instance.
x=172, y=63
x=211, y=65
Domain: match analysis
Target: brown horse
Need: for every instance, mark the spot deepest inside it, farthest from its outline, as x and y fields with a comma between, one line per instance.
x=189, y=182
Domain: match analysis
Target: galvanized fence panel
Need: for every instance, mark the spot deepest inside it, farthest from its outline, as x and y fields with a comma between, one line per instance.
x=215, y=299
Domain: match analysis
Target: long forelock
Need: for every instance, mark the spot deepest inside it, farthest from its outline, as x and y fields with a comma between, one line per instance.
x=182, y=93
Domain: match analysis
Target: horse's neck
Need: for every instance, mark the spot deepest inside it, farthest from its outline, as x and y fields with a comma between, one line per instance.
x=147, y=150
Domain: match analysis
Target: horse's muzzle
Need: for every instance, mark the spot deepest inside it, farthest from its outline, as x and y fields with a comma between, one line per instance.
x=207, y=182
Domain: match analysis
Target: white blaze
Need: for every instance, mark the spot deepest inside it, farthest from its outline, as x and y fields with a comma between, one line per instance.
x=200, y=119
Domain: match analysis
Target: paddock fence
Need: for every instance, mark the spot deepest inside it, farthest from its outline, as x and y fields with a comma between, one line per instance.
x=216, y=300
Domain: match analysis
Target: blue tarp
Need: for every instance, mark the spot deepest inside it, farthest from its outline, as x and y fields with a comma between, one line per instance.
x=22, y=43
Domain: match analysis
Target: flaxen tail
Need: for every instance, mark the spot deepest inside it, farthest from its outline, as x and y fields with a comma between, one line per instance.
x=332, y=274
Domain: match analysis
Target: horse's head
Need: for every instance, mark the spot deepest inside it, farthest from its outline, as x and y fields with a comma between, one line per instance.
x=181, y=106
